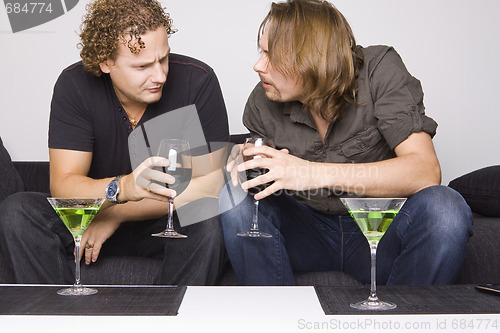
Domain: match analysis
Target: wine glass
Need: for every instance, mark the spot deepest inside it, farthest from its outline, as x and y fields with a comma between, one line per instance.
x=76, y=214
x=179, y=155
x=251, y=174
x=373, y=216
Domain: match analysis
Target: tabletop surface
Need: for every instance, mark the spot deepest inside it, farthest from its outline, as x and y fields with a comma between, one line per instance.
x=259, y=309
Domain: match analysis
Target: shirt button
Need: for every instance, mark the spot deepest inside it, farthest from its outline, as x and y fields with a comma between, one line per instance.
x=362, y=146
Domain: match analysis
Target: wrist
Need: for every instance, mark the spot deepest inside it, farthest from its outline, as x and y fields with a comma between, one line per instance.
x=321, y=175
x=113, y=191
x=121, y=197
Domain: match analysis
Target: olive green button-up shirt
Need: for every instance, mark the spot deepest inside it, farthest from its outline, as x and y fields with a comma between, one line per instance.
x=389, y=108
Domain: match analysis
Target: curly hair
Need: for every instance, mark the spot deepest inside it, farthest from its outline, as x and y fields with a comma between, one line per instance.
x=109, y=22
x=312, y=40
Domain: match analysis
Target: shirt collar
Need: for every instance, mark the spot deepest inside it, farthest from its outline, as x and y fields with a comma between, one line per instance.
x=298, y=114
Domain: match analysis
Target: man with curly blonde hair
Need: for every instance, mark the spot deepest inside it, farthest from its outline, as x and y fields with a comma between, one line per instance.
x=127, y=77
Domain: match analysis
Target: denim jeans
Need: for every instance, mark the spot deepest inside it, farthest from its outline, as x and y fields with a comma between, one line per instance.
x=39, y=248
x=425, y=243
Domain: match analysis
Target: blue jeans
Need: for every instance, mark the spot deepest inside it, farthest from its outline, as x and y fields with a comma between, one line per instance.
x=425, y=244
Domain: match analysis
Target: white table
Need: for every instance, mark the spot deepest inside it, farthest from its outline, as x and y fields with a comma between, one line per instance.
x=251, y=309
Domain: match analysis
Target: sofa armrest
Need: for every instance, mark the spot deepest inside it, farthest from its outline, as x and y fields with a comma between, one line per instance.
x=35, y=175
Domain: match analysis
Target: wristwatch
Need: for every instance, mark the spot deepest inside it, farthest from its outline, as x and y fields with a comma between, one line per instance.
x=112, y=191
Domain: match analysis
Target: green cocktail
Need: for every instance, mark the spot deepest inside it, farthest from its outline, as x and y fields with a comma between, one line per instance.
x=373, y=216
x=373, y=223
x=77, y=219
x=76, y=214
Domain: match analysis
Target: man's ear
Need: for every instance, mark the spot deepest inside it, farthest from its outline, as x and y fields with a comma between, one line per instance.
x=105, y=66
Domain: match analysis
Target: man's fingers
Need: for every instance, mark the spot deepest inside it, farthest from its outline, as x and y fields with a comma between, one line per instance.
x=162, y=192
x=236, y=150
x=91, y=251
x=256, y=163
x=267, y=191
x=88, y=248
x=261, y=150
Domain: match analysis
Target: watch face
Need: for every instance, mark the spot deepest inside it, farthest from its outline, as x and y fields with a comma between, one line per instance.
x=111, y=190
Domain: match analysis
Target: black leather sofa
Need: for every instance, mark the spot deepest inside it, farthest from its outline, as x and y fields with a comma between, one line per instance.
x=481, y=189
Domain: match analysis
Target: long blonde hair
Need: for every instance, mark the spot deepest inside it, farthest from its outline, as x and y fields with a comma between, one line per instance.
x=312, y=40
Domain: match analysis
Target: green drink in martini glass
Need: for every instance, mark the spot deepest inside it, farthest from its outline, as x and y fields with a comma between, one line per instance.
x=76, y=214
x=373, y=216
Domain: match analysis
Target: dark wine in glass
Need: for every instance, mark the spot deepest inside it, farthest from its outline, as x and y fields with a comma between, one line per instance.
x=254, y=173
x=251, y=174
x=179, y=154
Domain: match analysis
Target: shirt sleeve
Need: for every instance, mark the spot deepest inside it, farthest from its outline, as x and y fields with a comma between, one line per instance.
x=211, y=108
x=69, y=126
x=398, y=100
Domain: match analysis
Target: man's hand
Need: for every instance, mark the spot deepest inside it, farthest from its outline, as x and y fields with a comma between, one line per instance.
x=145, y=180
x=284, y=170
x=102, y=227
x=234, y=159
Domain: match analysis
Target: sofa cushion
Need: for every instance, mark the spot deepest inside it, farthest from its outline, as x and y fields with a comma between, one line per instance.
x=481, y=190
x=10, y=181
x=483, y=249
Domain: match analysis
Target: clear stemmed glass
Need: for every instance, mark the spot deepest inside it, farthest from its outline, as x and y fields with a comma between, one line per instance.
x=250, y=174
x=76, y=214
x=179, y=154
x=373, y=216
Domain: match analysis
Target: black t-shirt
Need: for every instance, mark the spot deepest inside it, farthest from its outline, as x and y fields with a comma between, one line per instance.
x=87, y=116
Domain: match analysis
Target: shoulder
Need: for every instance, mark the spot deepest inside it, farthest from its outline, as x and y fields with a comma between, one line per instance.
x=75, y=74
x=76, y=71
x=381, y=57
x=375, y=51
x=186, y=63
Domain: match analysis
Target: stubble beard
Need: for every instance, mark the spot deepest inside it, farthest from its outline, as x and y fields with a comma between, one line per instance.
x=273, y=95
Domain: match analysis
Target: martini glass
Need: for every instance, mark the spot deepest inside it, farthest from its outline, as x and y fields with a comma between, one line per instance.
x=76, y=214
x=373, y=216
x=179, y=154
x=251, y=174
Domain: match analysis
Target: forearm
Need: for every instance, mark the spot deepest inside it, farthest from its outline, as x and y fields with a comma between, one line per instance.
x=400, y=176
x=145, y=209
x=68, y=175
x=72, y=185
x=207, y=186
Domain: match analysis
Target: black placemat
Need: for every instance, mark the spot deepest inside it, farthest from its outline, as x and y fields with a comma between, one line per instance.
x=447, y=299
x=134, y=300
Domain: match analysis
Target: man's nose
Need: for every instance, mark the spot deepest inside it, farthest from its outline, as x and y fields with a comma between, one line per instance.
x=159, y=74
x=262, y=64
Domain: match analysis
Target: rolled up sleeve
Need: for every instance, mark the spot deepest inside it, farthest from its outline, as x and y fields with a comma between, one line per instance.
x=398, y=100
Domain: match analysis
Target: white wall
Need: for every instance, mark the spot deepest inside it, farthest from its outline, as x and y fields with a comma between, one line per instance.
x=450, y=45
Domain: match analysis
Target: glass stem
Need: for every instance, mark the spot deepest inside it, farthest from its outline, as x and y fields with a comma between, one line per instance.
x=170, y=218
x=255, y=217
x=373, y=293
x=77, y=263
